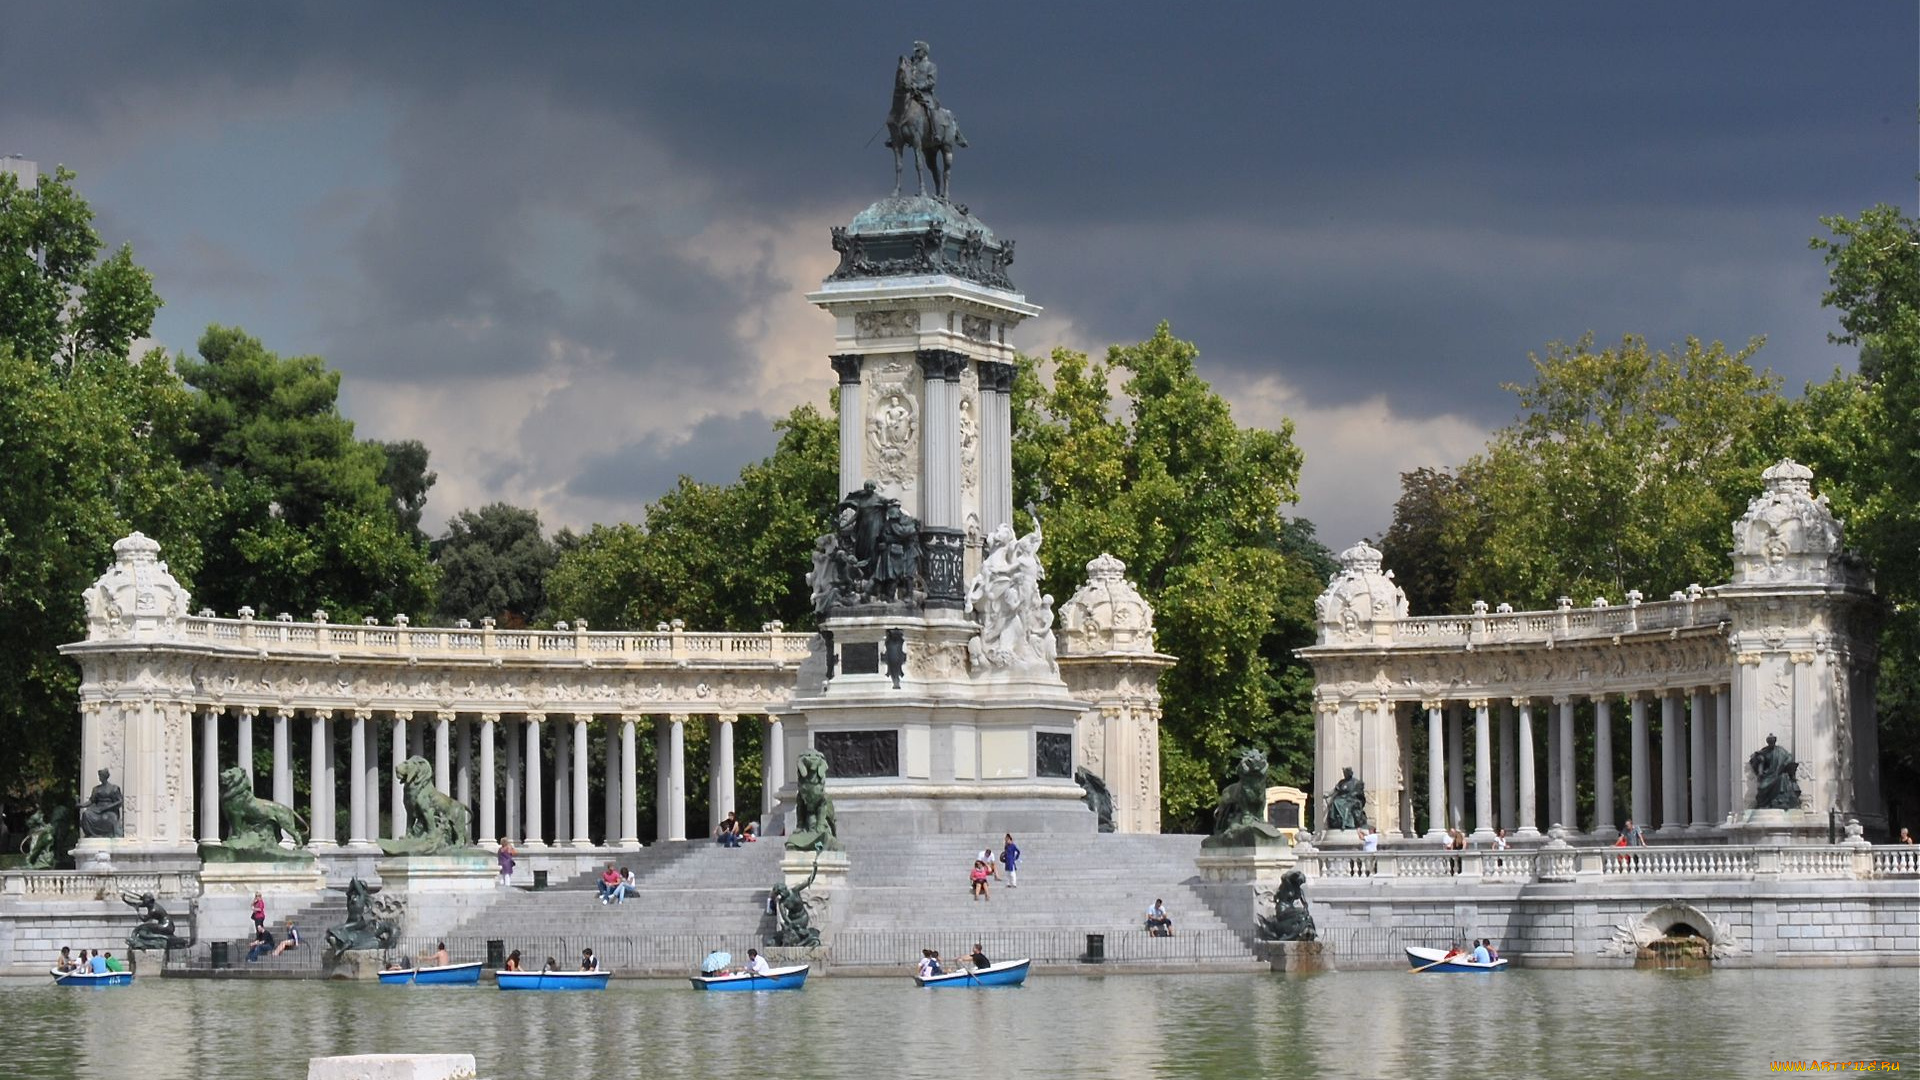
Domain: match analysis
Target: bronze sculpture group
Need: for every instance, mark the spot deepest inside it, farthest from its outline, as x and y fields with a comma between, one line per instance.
x=1240, y=817
x=366, y=927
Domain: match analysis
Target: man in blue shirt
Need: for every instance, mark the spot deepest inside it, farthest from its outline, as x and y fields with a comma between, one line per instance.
x=98, y=964
x=1480, y=954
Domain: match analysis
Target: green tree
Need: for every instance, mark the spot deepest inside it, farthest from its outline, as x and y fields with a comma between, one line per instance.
x=719, y=556
x=405, y=474
x=494, y=562
x=1192, y=503
x=1622, y=472
x=305, y=519
x=1415, y=545
x=89, y=444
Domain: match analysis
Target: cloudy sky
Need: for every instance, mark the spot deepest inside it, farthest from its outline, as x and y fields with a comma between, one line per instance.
x=564, y=245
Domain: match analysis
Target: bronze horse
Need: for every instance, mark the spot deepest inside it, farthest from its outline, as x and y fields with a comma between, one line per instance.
x=932, y=137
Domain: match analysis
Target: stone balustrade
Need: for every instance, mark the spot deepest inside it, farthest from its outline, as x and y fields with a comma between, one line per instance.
x=93, y=885
x=1566, y=623
x=1676, y=862
x=277, y=638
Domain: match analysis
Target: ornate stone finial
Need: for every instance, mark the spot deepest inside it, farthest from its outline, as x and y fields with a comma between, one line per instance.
x=1107, y=614
x=1479, y=607
x=1565, y=603
x=320, y=615
x=1504, y=609
x=774, y=626
x=562, y=626
x=1788, y=534
x=285, y=616
x=462, y=624
x=369, y=620
x=137, y=596
x=402, y=620
x=1600, y=602
x=1634, y=596
x=1360, y=600
x=487, y=623
x=246, y=613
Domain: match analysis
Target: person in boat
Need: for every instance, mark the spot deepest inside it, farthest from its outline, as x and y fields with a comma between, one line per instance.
x=1480, y=953
x=115, y=965
x=1453, y=950
x=513, y=960
x=65, y=960
x=1492, y=953
x=291, y=941
x=979, y=959
x=757, y=964
x=441, y=958
x=262, y=944
x=97, y=963
x=929, y=964
x=588, y=961
x=979, y=878
x=552, y=965
x=1159, y=923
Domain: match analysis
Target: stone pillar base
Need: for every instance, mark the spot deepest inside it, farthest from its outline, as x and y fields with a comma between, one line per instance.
x=797, y=866
x=354, y=965
x=1298, y=957
x=413, y=874
x=1778, y=827
x=1245, y=864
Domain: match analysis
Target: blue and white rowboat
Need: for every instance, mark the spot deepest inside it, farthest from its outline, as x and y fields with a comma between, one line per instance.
x=780, y=978
x=449, y=975
x=552, y=980
x=1011, y=973
x=90, y=978
x=1424, y=960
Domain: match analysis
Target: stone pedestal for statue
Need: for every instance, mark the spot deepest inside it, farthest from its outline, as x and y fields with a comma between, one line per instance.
x=225, y=909
x=797, y=866
x=1339, y=839
x=354, y=965
x=1298, y=957
x=1238, y=883
x=1778, y=828
x=440, y=891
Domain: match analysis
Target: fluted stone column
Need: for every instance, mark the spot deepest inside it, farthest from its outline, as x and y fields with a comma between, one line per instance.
x=662, y=781
x=511, y=795
x=243, y=738
x=209, y=776
x=282, y=759
x=1641, y=778
x=1529, y=800
x=677, y=775
x=536, y=830
x=319, y=814
x=610, y=791
x=720, y=769
x=442, y=743
x=774, y=768
x=1403, y=734
x=1603, y=820
x=1509, y=803
x=487, y=837
x=1672, y=793
x=577, y=782
x=1723, y=777
x=416, y=739
x=629, y=781
x=1482, y=771
x=562, y=778
x=1456, y=766
x=996, y=457
x=852, y=422
x=1555, y=815
x=357, y=832
x=397, y=792
x=463, y=762
x=1569, y=803
x=1700, y=723
x=1436, y=771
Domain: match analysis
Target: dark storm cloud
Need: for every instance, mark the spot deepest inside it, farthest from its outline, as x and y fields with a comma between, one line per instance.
x=712, y=452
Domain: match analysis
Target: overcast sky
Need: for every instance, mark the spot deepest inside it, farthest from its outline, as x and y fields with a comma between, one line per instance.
x=565, y=245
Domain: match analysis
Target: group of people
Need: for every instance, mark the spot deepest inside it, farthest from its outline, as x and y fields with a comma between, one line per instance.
x=987, y=867
x=930, y=965
x=96, y=961
x=264, y=945
x=1482, y=952
x=616, y=885
x=732, y=832
x=588, y=961
x=439, y=957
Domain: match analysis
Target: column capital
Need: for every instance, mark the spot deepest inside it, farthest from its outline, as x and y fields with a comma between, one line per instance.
x=847, y=366
x=533, y=717
x=445, y=716
x=1523, y=703
x=1563, y=699
x=1476, y=704
x=727, y=717
x=1431, y=704
x=403, y=715
x=363, y=714
x=677, y=718
x=489, y=717
x=942, y=364
x=248, y=711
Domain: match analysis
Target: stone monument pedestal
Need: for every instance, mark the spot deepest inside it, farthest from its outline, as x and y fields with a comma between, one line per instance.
x=797, y=866
x=225, y=909
x=1298, y=957
x=354, y=965
x=1345, y=839
x=1778, y=828
x=1238, y=882
x=439, y=891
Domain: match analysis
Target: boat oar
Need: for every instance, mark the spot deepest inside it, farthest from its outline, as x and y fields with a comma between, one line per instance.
x=1423, y=967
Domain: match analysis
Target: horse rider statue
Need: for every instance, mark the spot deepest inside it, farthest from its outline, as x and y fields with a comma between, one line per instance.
x=919, y=123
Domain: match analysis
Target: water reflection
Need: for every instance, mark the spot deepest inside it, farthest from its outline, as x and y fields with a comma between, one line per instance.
x=1543, y=1023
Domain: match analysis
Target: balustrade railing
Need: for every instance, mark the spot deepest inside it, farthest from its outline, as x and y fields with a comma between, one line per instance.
x=773, y=647
x=1660, y=862
x=1568, y=624
x=92, y=885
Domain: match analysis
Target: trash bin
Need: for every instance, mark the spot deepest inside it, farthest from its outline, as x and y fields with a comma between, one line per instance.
x=496, y=954
x=539, y=879
x=1096, y=948
x=220, y=956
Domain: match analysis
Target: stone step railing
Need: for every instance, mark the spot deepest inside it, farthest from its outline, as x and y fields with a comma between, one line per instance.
x=670, y=643
x=1706, y=862
x=28, y=885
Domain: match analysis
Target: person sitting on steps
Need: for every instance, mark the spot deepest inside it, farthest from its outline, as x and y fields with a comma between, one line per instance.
x=979, y=878
x=1159, y=923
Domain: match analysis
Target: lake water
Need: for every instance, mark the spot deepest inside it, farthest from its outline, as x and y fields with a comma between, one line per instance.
x=1360, y=1024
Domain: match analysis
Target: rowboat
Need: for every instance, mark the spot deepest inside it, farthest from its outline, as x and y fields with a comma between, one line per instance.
x=1011, y=973
x=445, y=975
x=1437, y=960
x=92, y=978
x=552, y=980
x=780, y=978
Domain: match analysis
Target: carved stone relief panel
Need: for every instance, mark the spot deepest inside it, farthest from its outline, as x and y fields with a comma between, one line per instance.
x=976, y=328
x=900, y=322
x=893, y=423
x=969, y=429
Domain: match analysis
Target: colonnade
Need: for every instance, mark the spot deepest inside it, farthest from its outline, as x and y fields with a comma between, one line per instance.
x=1696, y=781
x=513, y=755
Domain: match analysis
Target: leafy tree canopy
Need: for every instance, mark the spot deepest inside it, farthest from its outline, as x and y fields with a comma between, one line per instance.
x=494, y=562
